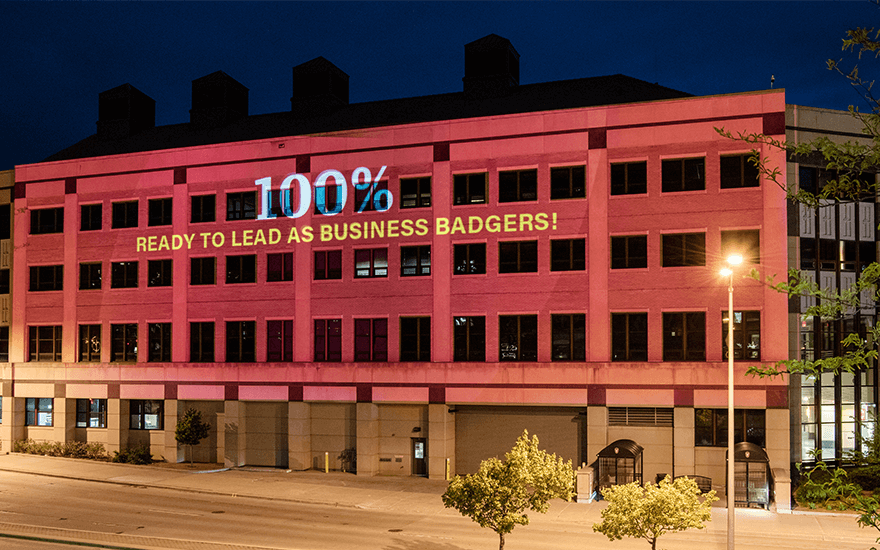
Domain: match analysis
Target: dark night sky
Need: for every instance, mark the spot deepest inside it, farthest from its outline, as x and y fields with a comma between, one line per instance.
x=57, y=57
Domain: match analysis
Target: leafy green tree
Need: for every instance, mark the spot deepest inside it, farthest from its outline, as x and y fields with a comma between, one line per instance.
x=191, y=429
x=854, y=165
x=650, y=511
x=500, y=493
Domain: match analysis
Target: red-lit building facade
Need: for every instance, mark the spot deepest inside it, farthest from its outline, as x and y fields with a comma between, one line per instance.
x=417, y=280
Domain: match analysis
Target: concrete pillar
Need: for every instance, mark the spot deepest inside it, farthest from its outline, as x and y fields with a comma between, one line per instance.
x=117, y=425
x=367, y=439
x=170, y=449
x=64, y=419
x=233, y=434
x=776, y=438
x=683, y=461
x=441, y=441
x=299, y=435
x=7, y=421
x=597, y=431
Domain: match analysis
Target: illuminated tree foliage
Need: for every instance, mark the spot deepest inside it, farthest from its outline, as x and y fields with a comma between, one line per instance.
x=500, y=493
x=650, y=511
x=853, y=166
x=191, y=429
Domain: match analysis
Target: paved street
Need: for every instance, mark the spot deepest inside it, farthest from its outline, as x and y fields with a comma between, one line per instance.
x=154, y=507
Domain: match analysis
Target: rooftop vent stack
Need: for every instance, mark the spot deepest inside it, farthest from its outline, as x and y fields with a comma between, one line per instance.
x=319, y=88
x=124, y=111
x=491, y=67
x=217, y=100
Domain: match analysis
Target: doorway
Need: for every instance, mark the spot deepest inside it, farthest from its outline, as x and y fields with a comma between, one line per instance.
x=420, y=456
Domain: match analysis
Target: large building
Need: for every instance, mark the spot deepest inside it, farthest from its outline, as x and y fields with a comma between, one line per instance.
x=832, y=244
x=416, y=280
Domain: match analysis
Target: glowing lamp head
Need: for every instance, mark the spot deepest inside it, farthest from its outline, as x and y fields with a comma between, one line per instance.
x=734, y=259
x=726, y=272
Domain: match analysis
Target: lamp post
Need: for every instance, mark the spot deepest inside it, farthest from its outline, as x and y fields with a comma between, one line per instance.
x=732, y=260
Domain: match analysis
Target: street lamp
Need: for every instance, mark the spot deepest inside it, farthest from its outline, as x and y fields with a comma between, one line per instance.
x=732, y=260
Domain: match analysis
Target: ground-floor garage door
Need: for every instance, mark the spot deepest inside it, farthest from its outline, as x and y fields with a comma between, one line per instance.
x=482, y=432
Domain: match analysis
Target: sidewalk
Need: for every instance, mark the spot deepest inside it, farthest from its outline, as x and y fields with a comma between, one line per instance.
x=422, y=496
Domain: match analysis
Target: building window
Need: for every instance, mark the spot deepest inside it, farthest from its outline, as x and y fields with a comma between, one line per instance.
x=629, y=336
x=469, y=188
x=90, y=343
x=159, y=212
x=370, y=198
x=746, y=334
x=4, y=281
x=47, y=220
x=415, y=260
x=159, y=342
x=241, y=206
x=38, y=411
x=415, y=192
x=240, y=341
x=568, y=255
x=683, y=249
x=629, y=252
x=91, y=413
x=328, y=264
x=125, y=214
x=518, y=257
x=415, y=338
x=279, y=341
x=683, y=174
x=4, y=346
x=90, y=217
x=518, y=337
x=746, y=243
x=738, y=171
x=371, y=262
x=470, y=259
x=124, y=275
x=89, y=276
x=371, y=339
x=279, y=267
x=202, y=271
x=328, y=340
x=145, y=414
x=5, y=223
x=629, y=178
x=469, y=338
x=201, y=342
x=203, y=208
x=569, y=337
x=710, y=427
x=241, y=269
x=124, y=343
x=568, y=182
x=47, y=277
x=45, y=343
x=159, y=273
x=518, y=186
x=684, y=336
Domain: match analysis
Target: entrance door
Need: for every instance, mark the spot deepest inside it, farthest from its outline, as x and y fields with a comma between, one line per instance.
x=420, y=456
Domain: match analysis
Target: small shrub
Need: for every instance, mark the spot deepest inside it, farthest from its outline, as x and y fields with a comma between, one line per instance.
x=133, y=455
x=828, y=488
x=867, y=477
x=70, y=449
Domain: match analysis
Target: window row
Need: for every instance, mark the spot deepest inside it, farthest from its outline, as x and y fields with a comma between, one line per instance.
x=566, y=182
x=92, y=413
x=684, y=339
x=683, y=249
x=518, y=340
x=415, y=261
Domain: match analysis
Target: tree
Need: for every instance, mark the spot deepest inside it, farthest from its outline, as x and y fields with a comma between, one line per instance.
x=650, y=511
x=500, y=492
x=854, y=166
x=191, y=429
